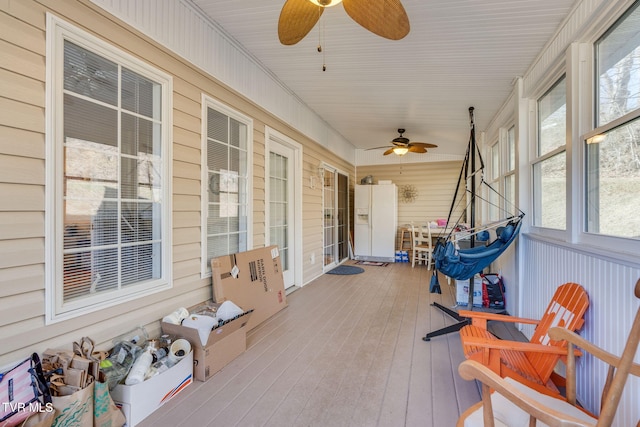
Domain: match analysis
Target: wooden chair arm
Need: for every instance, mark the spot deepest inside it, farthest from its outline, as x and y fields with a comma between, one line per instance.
x=558, y=333
x=479, y=318
x=516, y=346
x=470, y=370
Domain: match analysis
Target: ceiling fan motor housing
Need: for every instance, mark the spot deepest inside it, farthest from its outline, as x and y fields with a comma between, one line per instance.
x=401, y=140
x=402, y=145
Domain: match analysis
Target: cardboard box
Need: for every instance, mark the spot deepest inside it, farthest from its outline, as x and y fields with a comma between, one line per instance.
x=462, y=292
x=224, y=344
x=252, y=280
x=140, y=400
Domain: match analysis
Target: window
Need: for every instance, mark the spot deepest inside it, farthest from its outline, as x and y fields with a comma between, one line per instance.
x=226, y=182
x=510, y=172
x=511, y=149
x=613, y=148
x=494, y=181
x=107, y=194
x=549, y=166
x=502, y=177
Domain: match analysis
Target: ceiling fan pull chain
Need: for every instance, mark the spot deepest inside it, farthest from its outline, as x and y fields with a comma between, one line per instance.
x=321, y=39
x=324, y=66
x=320, y=30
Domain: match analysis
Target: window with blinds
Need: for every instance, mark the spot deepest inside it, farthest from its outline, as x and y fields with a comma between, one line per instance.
x=226, y=152
x=108, y=181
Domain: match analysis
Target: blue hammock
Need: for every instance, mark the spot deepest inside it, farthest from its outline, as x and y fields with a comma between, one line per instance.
x=463, y=264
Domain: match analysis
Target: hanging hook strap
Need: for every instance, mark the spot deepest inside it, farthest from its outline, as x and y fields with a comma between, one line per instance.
x=455, y=196
x=473, y=137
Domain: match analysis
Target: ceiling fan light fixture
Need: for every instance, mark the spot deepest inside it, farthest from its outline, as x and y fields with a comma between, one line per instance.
x=401, y=146
x=400, y=151
x=325, y=3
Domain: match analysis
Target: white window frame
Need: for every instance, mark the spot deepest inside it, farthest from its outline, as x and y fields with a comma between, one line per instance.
x=623, y=248
x=498, y=182
x=495, y=182
x=55, y=310
x=209, y=102
x=535, y=158
x=506, y=172
x=578, y=66
x=613, y=243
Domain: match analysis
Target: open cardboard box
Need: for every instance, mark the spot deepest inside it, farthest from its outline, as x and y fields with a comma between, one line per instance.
x=251, y=280
x=138, y=401
x=224, y=344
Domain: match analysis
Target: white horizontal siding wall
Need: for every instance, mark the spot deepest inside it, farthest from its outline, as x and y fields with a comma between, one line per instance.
x=608, y=320
x=187, y=32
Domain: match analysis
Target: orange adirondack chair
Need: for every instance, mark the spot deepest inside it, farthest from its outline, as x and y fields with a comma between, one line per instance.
x=511, y=403
x=530, y=363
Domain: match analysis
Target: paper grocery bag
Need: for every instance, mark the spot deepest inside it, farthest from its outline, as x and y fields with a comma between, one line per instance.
x=40, y=419
x=105, y=412
x=74, y=410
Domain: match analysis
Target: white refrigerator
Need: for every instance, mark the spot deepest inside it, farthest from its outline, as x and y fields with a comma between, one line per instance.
x=375, y=222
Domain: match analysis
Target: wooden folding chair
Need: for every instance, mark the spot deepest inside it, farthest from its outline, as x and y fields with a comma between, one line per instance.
x=512, y=403
x=530, y=363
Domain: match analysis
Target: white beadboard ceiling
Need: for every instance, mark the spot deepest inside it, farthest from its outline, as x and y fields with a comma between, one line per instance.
x=459, y=53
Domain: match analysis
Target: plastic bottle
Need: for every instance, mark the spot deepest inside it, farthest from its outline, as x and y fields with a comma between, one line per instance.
x=158, y=367
x=159, y=353
x=177, y=316
x=140, y=367
x=136, y=336
x=117, y=365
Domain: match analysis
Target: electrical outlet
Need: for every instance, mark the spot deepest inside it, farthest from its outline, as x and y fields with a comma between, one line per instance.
x=312, y=258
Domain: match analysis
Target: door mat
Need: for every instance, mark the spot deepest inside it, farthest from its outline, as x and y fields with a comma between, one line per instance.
x=346, y=269
x=376, y=263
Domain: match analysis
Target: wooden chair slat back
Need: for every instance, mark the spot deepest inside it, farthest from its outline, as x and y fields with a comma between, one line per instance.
x=566, y=309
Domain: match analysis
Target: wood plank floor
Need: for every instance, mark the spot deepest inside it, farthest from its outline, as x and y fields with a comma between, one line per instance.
x=347, y=351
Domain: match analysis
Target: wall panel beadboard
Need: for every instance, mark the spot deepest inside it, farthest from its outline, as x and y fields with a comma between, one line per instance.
x=612, y=308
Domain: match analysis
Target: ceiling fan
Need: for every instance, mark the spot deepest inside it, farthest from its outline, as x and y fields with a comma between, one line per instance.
x=401, y=146
x=386, y=18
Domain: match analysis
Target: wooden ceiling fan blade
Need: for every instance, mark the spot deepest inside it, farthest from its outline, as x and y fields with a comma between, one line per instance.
x=297, y=18
x=389, y=151
x=377, y=148
x=417, y=149
x=386, y=18
x=423, y=144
